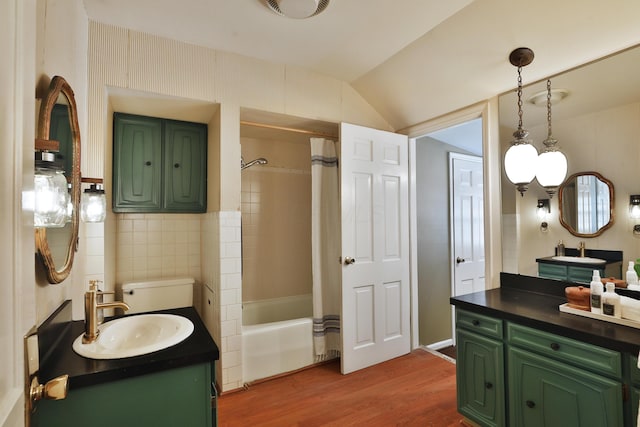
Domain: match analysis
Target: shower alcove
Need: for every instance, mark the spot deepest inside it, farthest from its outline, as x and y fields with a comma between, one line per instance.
x=276, y=240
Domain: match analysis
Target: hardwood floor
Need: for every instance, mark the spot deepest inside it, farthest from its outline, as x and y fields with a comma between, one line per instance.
x=418, y=389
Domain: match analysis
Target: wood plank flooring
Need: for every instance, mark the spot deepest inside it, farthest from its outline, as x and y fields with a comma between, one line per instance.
x=418, y=389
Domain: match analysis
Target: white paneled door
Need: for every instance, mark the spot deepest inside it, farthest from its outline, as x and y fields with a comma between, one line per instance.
x=468, y=224
x=375, y=247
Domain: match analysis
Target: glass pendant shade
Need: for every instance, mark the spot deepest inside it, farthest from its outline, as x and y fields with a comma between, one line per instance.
x=551, y=170
x=93, y=205
x=520, y=164
x=51, y=195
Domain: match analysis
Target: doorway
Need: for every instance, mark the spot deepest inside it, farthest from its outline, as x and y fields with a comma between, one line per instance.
x=435, y=259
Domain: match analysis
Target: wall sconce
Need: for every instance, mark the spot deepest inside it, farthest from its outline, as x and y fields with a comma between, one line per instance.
x=543, y=210
x=93, y=204
x=551, y=168
x=51, y=195
x=634, y=211
x=520, y=159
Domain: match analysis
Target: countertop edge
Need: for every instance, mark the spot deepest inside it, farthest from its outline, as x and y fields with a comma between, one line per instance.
x=541, y=312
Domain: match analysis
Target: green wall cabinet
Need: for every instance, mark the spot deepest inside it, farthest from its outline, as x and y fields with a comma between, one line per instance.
x=480, y=369
x=176, y=397
x=159, y=165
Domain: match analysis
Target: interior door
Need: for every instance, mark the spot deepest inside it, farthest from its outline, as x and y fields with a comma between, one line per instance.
x=468, y=224
x=375, y=247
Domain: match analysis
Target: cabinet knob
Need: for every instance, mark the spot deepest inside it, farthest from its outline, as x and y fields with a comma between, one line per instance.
x=147, y=163
x=475, y=322
x=488, y=385
x=555, y=346
x=176, y=165
x=55, y=389
x=530, y=403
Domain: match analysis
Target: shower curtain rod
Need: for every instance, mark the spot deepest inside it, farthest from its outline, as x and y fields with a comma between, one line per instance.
x=308, y=132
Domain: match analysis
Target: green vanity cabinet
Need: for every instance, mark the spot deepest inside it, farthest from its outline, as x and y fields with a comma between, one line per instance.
x=554, y=380
x=634, y=379
x=159, y=165
x=568, y=273
x=480, y=368
x=544, y=392
x=176, y=397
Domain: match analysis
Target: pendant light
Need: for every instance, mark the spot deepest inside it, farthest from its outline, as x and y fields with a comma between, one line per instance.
x=552, y=163
x=520, y=159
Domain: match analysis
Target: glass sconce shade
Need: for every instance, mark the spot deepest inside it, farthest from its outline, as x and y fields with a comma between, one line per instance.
x=551, y=170
x=543, y=209
x=93, y=206
x=634, y=206
x=51, y=194
x=520, y=163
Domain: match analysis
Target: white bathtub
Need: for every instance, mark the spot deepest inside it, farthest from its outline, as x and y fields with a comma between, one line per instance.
x=274, y=347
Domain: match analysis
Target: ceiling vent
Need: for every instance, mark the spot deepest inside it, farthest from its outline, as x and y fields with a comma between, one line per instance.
x=297, y=9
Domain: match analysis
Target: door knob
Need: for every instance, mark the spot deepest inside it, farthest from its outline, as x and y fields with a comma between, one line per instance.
x=459, y=260
x=348, y=260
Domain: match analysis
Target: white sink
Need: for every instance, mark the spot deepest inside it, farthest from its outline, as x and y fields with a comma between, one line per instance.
x=135, y=335
x=583, y=260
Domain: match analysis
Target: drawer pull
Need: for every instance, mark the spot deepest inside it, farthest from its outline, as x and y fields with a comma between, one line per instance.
x=475, y=322
x=531, y=403
x=488, y=385
x=555, y=346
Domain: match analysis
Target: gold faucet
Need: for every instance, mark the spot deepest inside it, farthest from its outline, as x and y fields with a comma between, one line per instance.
x=91, y=307
x=581, y=249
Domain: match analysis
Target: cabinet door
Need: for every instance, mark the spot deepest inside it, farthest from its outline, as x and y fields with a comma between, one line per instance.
x=552, y=271
x=480, y=378
x=185, y=167
x=544, y=392
x=177, y=397
x=137, y=164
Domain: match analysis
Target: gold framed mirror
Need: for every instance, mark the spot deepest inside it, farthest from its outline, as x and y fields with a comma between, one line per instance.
x=586, y=204
x=58, y=120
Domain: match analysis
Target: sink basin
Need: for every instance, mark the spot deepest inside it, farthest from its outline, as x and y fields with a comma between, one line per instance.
x=582, y=260
x=135, y=335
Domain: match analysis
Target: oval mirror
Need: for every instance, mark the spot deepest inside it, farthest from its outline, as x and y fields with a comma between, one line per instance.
x=58, y=120
x=586, y=204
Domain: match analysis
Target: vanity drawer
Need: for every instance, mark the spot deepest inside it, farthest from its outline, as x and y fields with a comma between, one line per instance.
x=577, y=353
x=479, y=323
x=552, y=271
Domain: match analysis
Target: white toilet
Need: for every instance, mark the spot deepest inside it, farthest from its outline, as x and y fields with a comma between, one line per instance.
x=161, y=294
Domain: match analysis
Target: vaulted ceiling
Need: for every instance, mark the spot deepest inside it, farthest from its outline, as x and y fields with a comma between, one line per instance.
x=412, y=60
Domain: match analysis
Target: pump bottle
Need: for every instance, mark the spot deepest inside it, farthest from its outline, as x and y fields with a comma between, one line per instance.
x=595, y=288
x=611, y=302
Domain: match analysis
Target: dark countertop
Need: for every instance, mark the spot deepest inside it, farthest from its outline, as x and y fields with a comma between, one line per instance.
x=521, y=300
x=60, y=358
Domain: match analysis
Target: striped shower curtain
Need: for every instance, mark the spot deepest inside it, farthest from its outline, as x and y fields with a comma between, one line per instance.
x=325, y=248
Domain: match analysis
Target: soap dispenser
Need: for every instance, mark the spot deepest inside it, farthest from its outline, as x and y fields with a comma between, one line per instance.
x=611, y=302
x=560, y=248
x=632, y=276
x=596, y=292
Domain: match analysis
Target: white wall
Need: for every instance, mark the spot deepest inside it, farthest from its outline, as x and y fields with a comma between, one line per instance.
x=604, y=142
x=62, y=50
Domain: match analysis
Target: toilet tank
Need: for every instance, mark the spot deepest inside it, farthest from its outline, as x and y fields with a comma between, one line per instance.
x=161, y=294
